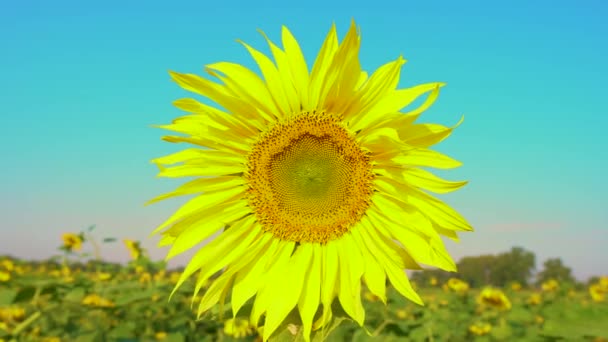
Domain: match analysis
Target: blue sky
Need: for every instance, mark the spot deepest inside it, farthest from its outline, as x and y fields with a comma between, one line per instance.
x=82, y=83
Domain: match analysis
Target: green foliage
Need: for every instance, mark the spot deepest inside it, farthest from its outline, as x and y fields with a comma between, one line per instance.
x=555, y=269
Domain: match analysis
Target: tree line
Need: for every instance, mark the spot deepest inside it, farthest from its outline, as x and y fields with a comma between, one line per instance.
x=516, y=265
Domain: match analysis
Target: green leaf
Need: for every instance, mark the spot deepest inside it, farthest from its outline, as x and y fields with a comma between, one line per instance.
x=7, y=296
x=129, y=298
x=75, y=295
x=109, y=239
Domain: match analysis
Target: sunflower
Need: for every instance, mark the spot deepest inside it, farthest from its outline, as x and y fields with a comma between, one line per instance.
x=493, y=297
x=134, y=248
x=550, y=285
x=480, y=329
x=314, y=181
x=457, y=285
x=72, y=242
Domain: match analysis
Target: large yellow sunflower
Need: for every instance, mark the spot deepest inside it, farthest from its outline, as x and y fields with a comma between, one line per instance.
x=313, y=180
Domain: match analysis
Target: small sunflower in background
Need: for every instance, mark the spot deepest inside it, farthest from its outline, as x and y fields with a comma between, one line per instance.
x=314, y=179
x=238, y=328
x=550, y=285
x=457, y=285
x=134, y=248
x=72, y=242
x=480, y=329
x=494, y=298
x=597, y=292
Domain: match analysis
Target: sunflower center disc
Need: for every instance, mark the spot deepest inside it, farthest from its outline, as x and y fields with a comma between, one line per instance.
x=309, y=181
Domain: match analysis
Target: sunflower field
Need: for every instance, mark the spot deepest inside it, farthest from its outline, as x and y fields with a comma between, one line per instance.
x=63, y=299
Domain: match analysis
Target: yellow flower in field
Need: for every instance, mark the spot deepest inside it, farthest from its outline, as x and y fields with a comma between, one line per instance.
x=145, y=278
x=139, y=269
x=493, y=297
x=550, y=285
x=4, y=276
x=433, y=281
x=401, y=313
x=539, y=319
x=134, y=248
x=371, y=297
x=103, y=276
x=159, y=275
x=72, y=242
x=457, y=285
x=21, y=270
x=315, y=182
x=7, y=264
x=480, y=329
x=174, y=277
x=12, y=314
x=597, y=293
x=603, y=283
x=161, y=335
x=51, y=339
x=238, y=328
x=96, y=300
x=515, y=286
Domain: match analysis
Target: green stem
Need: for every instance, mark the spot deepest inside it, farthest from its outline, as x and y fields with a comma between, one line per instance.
x=25, y=323
x=96, y=249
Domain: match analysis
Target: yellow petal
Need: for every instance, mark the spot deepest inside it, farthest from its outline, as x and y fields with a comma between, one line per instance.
x=217, y=93
x=284, y=71
x=382, y=81
x=351, y=270
x=377, y=116
x=219, y=119
x=274, y=273
x=330, y=277
x=250, y=277
x=321, y=66
x=197, y=233
x=202, y=202
x=425, y=135
x=273, y=79
x=297, y=65
x=428, y=181
x=288, y=289
x=311, y=294
x=374, y=275
x=238, y=238
x=425, y=157
x=201, y=185
x=431, y=207
x=245, y=84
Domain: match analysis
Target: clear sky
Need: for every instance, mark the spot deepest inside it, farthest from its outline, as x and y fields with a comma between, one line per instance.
x=81, y=82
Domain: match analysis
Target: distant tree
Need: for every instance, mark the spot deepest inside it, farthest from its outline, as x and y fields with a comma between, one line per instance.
x=424, y=277
x=555, y=269
x=515, y=265
x=592, y=280
x=476, y=270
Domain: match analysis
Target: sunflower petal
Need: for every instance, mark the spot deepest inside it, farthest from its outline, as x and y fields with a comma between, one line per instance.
x=249, y=278
x=284, y=71
x=201, y=185
x=195, y=234
x=273, y=79
x=321, y=66
x=374, y=275
x=297, y=65
x=289, y=289
x=245, y=84
x=351, y=270
x=308, y=303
